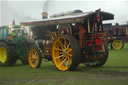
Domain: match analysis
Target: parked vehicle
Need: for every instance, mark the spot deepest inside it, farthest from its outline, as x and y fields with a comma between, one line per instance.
x=14, y=44
x=69, y=39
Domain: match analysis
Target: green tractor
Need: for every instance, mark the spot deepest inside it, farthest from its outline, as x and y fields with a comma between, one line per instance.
x=14, y=44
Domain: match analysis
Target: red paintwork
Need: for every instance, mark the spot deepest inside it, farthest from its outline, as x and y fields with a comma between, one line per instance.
x=98, y=41
x=98, y=48
x=82, y=36
x=89, y=42
x=9, y=37
x=99, y=35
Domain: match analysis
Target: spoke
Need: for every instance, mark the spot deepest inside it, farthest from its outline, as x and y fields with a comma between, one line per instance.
x=58, y=49
x=61, y=52
x=59, y=57
x=69, y=59
x=32, y=53
x=65, y=43
x=32, y=57
x=68, y=45
x=36, y=57
x=61, y=45
x=69, y=49
x=69, y=54
x=36, y=62
x=62, y=62
x=67, y=63
x=35, y=53
x=63, y=58
x=33, y=61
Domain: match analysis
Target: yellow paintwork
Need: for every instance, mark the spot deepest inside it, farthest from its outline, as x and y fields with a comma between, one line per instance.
x=33, y=58
x=117, y=44
x=62, y=53
x=3, y=54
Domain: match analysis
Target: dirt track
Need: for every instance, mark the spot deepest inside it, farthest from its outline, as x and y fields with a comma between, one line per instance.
x=96, y=75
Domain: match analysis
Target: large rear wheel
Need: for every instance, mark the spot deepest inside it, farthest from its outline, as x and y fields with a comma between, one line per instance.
x=66, y=53
x=34, y=57
x=7, y=55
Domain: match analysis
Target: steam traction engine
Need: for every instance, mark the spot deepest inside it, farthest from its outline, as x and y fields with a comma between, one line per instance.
x=69, y=39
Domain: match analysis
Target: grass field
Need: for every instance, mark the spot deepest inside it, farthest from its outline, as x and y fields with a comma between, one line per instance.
x=114, y=72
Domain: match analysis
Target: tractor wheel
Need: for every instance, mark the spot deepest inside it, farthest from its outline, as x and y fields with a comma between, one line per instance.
x=27, y=46
x=34, y=57
x=7, y=55
x=25, y=60
x=101, y=62
x=117, y=44
x=66, y=53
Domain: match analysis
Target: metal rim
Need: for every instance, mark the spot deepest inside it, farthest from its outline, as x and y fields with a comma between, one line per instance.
x=117, y=44
x=62, y=53
x=3, y=54
x=33, y=58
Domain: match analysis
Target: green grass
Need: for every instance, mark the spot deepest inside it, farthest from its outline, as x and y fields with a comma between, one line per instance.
x=114, y=72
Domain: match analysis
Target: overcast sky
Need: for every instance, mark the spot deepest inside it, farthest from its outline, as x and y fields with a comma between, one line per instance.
x=29, y=9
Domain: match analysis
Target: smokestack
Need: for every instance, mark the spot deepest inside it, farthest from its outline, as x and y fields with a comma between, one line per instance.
x=45, y=9
x=44, y=15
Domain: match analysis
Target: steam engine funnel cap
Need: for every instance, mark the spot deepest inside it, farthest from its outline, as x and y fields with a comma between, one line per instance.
x=44, y=15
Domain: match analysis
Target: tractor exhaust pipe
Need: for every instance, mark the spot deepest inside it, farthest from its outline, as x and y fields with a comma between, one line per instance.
x=44, y=15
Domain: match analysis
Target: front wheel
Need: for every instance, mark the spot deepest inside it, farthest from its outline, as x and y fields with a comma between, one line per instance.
x=34, y=57
x=66, y=53
x=117, y=44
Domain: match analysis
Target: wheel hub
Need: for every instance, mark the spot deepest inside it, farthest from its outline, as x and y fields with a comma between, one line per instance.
x=3, y=54
x=117, y=44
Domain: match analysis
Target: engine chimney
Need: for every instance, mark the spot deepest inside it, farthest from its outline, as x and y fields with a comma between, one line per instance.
x=44, y=15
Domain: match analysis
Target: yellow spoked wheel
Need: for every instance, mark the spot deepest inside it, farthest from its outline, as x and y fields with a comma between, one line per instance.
x=3, y=54
x=117, y=44
x=34, y=58
x=66, y=53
